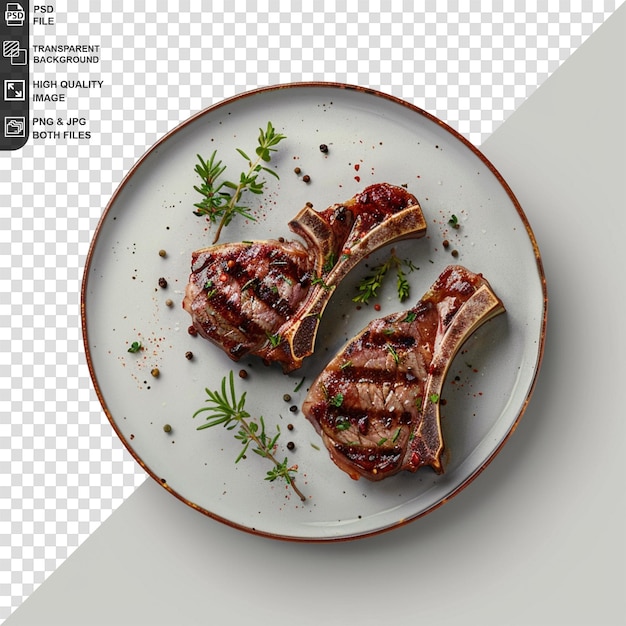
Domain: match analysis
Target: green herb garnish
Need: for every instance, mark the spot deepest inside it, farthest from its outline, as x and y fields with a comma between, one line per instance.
x=342, y=423
x=274, y=339
x=454, y=221
x=337, y=400
x=329, y=262
x=318, y=280
x=227, y=409
x=392, y=351
x=369, y=286
x=221, y=198
x=135, y=347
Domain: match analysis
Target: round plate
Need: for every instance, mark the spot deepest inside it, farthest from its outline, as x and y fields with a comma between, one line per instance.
x=371, y=137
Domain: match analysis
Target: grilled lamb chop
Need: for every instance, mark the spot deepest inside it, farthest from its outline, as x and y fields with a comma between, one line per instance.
x=266, y=297
x=376, y=404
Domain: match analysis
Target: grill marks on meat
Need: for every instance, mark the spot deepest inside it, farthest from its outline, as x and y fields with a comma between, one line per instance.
x=376, y=404
x=239, y=294
x=267, y=297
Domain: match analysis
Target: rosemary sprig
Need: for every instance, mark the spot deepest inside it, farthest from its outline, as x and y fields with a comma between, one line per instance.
x=221, y=198
x=226, y=409
x=369, y=286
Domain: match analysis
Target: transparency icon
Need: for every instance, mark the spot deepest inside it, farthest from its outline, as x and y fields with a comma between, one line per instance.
x=11, y=49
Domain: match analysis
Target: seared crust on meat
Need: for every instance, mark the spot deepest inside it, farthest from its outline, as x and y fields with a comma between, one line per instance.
x=376, y=404
x=239, y=293
x=267, y=297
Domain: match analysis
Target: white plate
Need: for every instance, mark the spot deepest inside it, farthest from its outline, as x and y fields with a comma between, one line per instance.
x=372, y=137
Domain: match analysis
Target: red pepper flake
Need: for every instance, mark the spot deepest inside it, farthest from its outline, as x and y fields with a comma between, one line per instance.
x=377, y=307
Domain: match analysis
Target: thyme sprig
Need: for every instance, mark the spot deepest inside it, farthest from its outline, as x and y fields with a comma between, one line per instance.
x=369, y=286
x=227, y=409
x=221, y=198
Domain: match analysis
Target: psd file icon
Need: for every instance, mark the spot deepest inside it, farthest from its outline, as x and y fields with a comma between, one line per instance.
x=14, y=15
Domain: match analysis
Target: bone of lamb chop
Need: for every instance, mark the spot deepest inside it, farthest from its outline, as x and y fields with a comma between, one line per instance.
x=267, y=297
x=376, y=404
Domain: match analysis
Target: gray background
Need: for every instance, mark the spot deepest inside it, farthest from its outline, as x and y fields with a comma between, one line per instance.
x=62, y=471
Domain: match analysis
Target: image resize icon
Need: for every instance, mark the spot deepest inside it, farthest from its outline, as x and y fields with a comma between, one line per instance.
x=14, y=90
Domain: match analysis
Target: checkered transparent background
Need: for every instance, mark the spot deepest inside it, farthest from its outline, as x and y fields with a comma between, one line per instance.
x=62, y=470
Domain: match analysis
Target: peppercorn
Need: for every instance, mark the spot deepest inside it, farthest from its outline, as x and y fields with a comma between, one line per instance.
x=155, y=372
x=291, y=445
x=293, y=408
x=162, y=253
x=162, y=282
x=243, y=374
x=169, y=302
x=189, y=355
x=306, y=178
x=289, y=426
x=297, y=170
x=167, y=428
x=323, y=148
x=446, y=243
x=192, y=331
x=287, y=398
x=455, y=253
